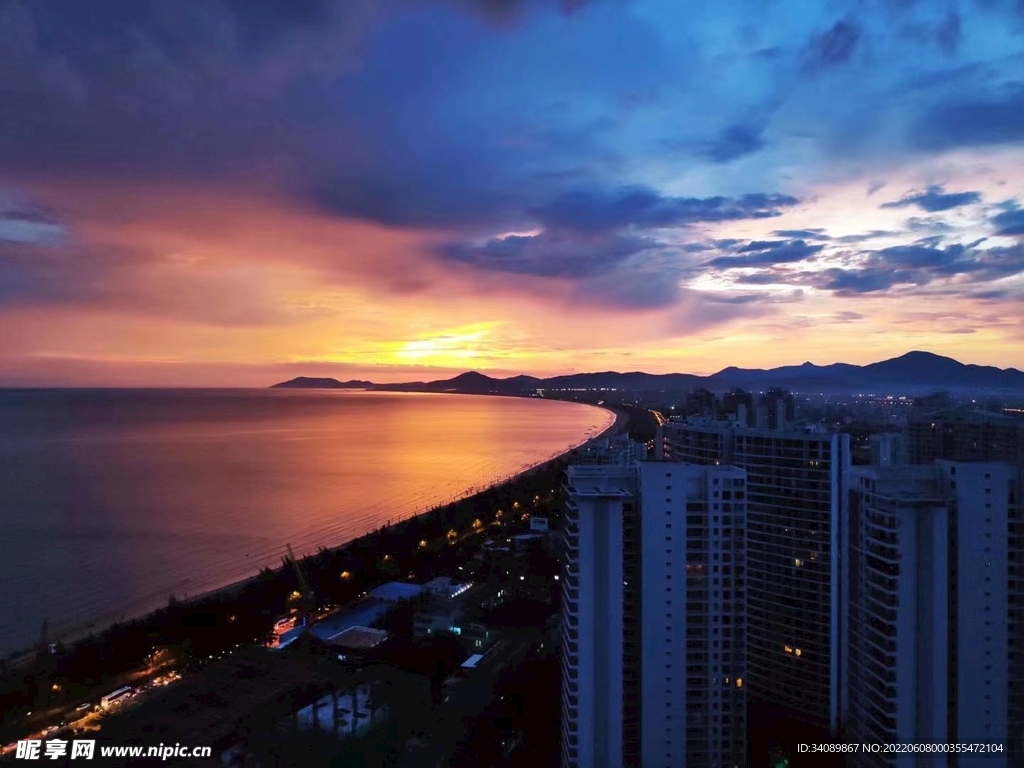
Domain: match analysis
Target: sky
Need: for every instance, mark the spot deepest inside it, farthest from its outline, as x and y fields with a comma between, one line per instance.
x=234, y=192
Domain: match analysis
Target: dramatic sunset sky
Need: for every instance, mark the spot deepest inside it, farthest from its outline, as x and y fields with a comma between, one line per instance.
x=233, y=192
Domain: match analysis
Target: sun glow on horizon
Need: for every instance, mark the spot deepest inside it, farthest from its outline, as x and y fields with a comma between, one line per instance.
x=451, y=346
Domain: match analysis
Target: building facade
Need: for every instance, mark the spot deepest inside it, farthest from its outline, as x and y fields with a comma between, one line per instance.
x=964, y=435
x=653, y=617
x=929, y=606
x=795, y=479
x=968, y=435
x=886, y=449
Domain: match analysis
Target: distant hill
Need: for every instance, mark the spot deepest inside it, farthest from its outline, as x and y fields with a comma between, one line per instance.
x=305, y=382
x=912, y=371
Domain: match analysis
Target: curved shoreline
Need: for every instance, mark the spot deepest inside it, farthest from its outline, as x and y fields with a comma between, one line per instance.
x=73, y=635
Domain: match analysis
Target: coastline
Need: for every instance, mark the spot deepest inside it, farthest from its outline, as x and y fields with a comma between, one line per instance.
x=74, y=635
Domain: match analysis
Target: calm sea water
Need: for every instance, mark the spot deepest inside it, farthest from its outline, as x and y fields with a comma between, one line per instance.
x=112, y=500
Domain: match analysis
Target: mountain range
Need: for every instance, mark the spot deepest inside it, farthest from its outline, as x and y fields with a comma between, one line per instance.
x=912, y=372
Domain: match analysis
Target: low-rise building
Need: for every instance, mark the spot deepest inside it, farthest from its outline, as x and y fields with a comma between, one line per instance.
x=524, y=543
x=447, y=588
x=455, y=616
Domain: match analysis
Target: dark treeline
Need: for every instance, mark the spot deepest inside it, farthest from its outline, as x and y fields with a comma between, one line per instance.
x=189, y=632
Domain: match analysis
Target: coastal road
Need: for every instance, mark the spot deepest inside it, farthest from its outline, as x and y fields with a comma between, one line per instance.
x=468, y=701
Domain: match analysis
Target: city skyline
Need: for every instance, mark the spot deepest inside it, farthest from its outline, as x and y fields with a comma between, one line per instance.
x=233, y=194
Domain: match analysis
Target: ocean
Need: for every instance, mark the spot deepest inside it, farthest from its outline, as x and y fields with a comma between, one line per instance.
x=111, y=501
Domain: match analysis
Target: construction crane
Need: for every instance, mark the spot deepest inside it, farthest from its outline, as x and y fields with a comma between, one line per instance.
x=301, y=601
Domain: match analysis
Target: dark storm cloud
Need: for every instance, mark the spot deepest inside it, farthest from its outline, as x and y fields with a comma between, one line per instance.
x=645, y=208
x=1009, y=223
x=607, y=269
x=152, y=89
x=551, y=255
x=834, y=47
x=935, y=199
x=864, y=236
x=846, y=282
x=597, y=241
x=969, y=121
x=762, y=278
x=906, y=265
x=740, y=299
x=420, y=114
x=922, y=255
x=27, y=225
x=765, y=253
x=802, y=234
x=629, y=289
x=933, y=225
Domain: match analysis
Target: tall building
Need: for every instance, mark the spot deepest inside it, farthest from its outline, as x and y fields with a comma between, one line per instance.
x=614, y=450
x=929, y=629
x=653, y=617
x=738, y=405
x=886, y=449
x=794, y=489
x=700, y=402
x=973, y=435
x=964, y=436
x=776, y=409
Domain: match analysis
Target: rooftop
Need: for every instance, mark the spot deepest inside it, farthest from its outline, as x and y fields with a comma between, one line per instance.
x=359, y=638
x=363, y=615
x=445, y=586
x=397, y=590
x=208, y=708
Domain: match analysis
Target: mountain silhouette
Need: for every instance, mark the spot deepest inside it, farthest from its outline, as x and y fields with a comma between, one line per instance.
x=913, y=371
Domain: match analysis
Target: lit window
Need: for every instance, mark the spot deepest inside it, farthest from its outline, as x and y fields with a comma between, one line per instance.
x=739, y=682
